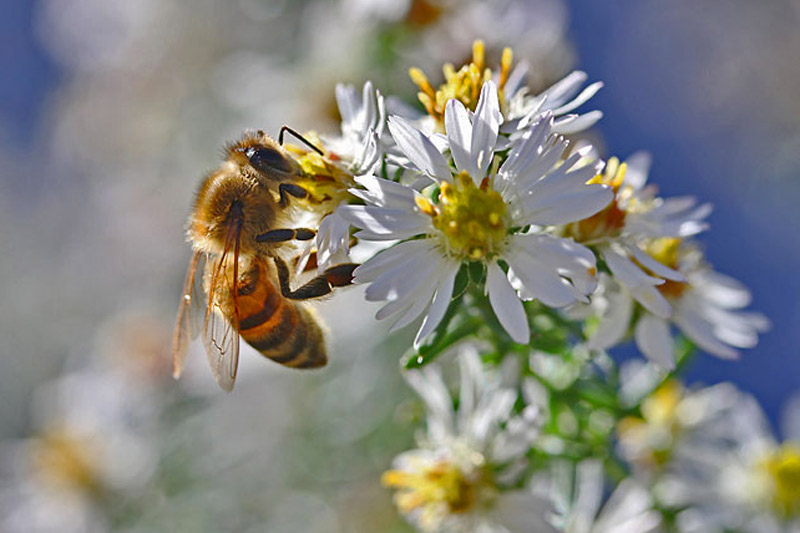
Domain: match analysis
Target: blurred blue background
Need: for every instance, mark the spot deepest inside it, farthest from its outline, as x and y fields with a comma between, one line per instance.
x=710, y=89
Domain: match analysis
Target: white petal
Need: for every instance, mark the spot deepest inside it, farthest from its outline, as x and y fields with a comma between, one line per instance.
x=571, y=124
x=507, y=305
x=441, y=300
x=656, y=267
x=459, y=137
x=578, y=203
x=614, y=323
x=638, y=169
x=579, y=100
x=485, y=127
x=403, y=252
x=652, y=300
x=419, y=149
x=701, y=331
x=626, y=271
x=654, y=340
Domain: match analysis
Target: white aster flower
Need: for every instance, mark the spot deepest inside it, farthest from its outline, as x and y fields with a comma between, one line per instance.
x=355, y=152
x=726, y=471
x=706, y=307
x=363, y=123
x=459, y=479
x=634, y=217
x=519, y=107
x=478, y=215
x=629, y=508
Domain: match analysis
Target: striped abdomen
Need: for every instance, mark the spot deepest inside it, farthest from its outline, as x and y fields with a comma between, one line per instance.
x=282, y=330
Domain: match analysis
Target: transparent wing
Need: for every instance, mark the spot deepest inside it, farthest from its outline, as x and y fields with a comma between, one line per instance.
x=189, y=312
x=221, y=329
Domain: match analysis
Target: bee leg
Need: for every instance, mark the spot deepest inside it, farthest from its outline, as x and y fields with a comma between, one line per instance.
x=305, y=141
x=290, y=189
x=283, y=235
x=336, y=276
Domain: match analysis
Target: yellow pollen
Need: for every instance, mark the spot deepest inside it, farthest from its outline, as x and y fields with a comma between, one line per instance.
x=463, y=84
x=441, y=483
x=64, y=459
x=471, y=219
x=783, y=468
x=610, y=221
x=653, y=434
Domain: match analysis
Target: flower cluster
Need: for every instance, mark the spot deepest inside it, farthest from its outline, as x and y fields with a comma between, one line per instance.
x=484, y=223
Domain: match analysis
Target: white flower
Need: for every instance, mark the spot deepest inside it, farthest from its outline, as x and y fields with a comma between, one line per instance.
x=327, y=178
x=629, y=508
x=458, y=479
x=633, y=218
x=706, y=307
x=723, y=469
x=363, y=123
x=478, y=215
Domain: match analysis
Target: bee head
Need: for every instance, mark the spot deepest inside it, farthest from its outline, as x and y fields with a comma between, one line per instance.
x=263, y=154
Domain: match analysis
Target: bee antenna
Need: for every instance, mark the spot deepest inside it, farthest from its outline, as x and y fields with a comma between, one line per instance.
x=300, y=137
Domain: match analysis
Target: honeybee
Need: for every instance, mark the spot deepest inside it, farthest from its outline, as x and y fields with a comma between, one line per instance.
x=241, y=228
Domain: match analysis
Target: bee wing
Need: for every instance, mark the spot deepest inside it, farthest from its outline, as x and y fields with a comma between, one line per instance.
x=220, y=331
x=187, y=325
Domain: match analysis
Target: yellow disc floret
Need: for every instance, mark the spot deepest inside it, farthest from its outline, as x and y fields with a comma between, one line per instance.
x=463, y=84
x=442, y=483
x=472, y=219
x=609, y=222
x=783, y=469
x=63, y=459
x=650, y=439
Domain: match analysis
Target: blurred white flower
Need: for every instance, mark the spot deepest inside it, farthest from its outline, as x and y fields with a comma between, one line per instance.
x=460, y=479
x=628, y=509
x=704, y=304
x=481, y=214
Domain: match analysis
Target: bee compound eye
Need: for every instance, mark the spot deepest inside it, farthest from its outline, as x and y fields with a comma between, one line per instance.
x=267, y=160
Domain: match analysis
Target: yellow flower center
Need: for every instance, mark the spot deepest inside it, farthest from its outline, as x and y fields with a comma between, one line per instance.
x=783, y=468
x=610, y=221
x=63, y=459
x=463, y=84
x=441, y=483
x=325, y=182
x=472, y=219
x=651, y=437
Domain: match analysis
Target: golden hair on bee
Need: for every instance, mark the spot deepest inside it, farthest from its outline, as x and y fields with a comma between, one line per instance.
x=243, y=226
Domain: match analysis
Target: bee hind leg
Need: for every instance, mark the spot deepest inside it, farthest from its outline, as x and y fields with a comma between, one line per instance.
x=336, y=276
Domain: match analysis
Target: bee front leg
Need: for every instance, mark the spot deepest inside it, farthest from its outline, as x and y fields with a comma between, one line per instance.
x=283, y=235
x=290, y=189
x=336, y=276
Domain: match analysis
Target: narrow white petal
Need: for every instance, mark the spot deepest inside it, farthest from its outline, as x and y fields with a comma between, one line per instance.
x=638, y=169
x=614, y=323
x=584, y=96
x=441, y=300
x=656, y=267
x=459, y=136
x=626, y=271
x=419, y=149
x=485, y=127
x=571, y=124
x=654, y=340
x=652, y=300
x=506, y=304
x=701, y=331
